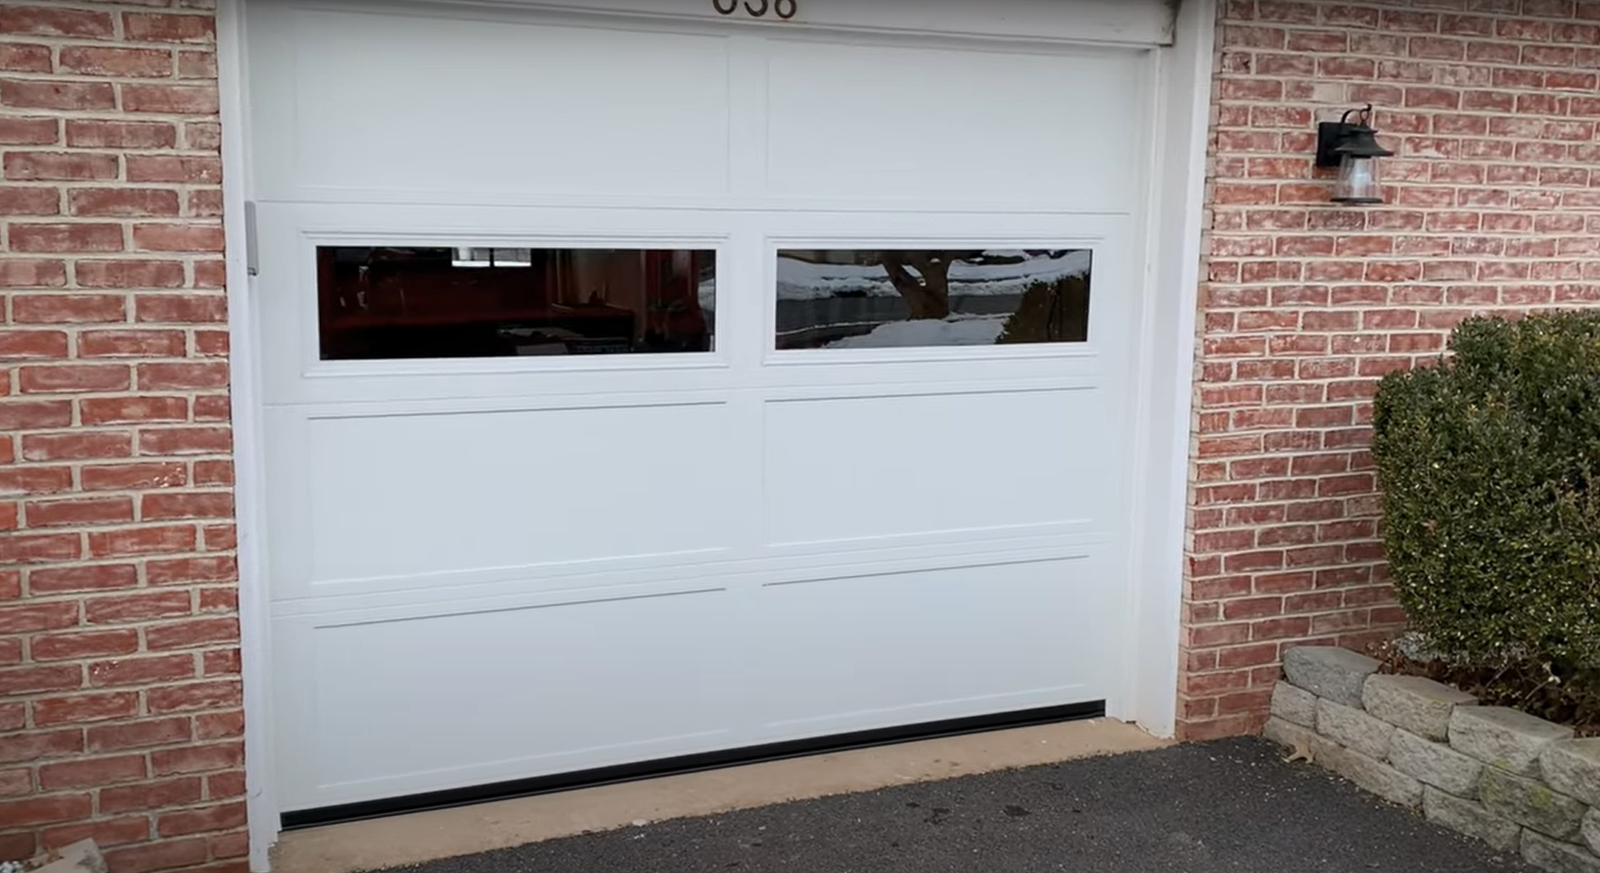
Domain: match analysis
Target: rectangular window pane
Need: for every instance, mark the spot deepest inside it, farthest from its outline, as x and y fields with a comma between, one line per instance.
x=864, y=299
x=473, y=302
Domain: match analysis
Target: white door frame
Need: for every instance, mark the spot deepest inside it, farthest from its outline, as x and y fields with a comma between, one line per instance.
x=1163, y=422
x=1178, y=122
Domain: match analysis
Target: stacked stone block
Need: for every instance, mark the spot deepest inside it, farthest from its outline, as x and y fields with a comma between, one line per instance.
x=1520, y=783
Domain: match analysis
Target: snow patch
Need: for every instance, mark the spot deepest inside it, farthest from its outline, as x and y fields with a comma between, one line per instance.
x=957, y=330
x=802, y=280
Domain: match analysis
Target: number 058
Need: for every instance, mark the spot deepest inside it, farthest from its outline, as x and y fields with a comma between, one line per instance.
x=785, y=9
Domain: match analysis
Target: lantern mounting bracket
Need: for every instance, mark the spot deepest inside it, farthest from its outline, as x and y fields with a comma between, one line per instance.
x=1354, y=136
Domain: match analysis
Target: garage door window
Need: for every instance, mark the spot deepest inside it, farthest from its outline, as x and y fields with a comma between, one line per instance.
x=378, y=302
x=872, y=298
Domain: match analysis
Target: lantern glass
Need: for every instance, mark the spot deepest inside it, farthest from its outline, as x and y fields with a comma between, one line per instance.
x=1358, y=180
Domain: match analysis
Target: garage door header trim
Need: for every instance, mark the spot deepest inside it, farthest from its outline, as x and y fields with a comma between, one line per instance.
x=1127, y=23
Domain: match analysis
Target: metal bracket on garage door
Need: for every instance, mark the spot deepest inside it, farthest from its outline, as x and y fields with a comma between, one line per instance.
x=252, y=256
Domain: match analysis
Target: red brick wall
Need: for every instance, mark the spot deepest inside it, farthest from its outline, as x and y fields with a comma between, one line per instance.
x=119, y=689
x=1493, y=205
x=119, y=693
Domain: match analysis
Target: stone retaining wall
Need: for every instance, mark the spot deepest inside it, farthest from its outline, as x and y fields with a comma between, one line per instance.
x=1520, y=783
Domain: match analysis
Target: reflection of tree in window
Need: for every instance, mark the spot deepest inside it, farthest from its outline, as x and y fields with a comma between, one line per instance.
x=945, y=297
x=927, y=290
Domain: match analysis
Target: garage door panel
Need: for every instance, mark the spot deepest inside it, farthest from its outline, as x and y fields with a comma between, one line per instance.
x=912, y=647
x=295, y=313
x=887, y=466
x=507, y=537
x=951, y=124
x=404, y=495
x=493, y=106
x=483, y=697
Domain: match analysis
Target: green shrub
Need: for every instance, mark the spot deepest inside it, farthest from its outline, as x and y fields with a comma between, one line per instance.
x=1490, y=470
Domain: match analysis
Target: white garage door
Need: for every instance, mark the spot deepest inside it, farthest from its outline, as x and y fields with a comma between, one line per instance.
x=645, y=387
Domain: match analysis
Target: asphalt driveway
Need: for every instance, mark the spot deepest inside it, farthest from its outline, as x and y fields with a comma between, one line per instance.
x=1227, y=806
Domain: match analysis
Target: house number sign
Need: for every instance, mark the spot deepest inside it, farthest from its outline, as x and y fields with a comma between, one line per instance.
x=785, y=9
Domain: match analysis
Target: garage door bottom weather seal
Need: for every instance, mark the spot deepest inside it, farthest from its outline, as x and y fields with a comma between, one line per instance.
x=369, y=809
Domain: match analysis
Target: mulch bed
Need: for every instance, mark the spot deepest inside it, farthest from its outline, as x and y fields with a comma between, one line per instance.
x=1532, y=690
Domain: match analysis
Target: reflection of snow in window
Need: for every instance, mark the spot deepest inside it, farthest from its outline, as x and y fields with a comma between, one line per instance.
x=854, y=299
x=994, y=272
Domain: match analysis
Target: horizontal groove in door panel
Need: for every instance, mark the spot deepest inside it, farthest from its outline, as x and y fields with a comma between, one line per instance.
x=508, y=392
x=864, y=572
x=584, y=579
x=406, y=613
x=881, y=391
x=428, y=602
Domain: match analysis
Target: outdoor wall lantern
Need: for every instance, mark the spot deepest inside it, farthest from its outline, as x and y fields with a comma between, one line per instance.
x=1354, y=149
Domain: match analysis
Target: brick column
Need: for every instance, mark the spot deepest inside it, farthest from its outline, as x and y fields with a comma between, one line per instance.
x=119, y=689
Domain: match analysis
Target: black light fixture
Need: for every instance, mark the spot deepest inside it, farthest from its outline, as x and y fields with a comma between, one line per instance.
x=1354, y=149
